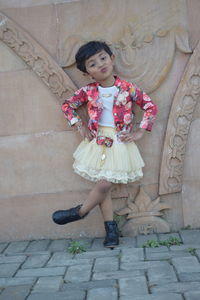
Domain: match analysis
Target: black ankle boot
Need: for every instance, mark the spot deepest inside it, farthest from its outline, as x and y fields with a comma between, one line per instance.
x=112, y=234
x=62, y=217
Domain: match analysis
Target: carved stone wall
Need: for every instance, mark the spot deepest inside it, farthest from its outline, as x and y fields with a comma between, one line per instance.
x=155, y=44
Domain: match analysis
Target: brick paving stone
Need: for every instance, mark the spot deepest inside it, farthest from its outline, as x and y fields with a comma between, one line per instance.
x=166, y=296
x=186, y=264
x=95, y=254
x=45, y=284
x=89, y=285
x=117, y=274
x=132, y=255
x=192, y=295
x=143, y=265
x=58, y=245
x=133, y=286
x=175, y=287
x=40, y=245
x=198, y=253
x=4, y=282
x=128, y=242
x=184, y=247
x=156, y=250
x=72, y=295
x=78, y=273
x=60, y=259
x=8, y=270
x=3, y=246
x=98, y=245
x=141, y=239
x=166, y=255
x=69, y=262
x=190, y=236
x=35, y=261
x=107, y=293
x=15, y=293
x=16, y=247
x=161, y=275
x=103, y=264
x=12, y=259
x=189, y=277
x=39, y=272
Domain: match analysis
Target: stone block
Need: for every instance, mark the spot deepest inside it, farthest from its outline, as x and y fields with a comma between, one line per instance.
x=35, y=261
x=64, y=260
x=166, y=296
x=116, y=274
x=192, y=295
x=3, y=246
x=8, y=270
x=4, y=282
x=37, y=246
x=89, y=285
x=143, y=265
x=107, y=293
x=186, y=264
x=190, y=236
x=132, y=255
x=39, y=272
x=16, y=247
x=101, y=253
x=58, y=245
x=9, y=61
x=73, y=295
x=78, y=273
x=51, y=283
x=189, y=276
x=36, y=108
x=15, y=293
x=32, y=18
x=141, y=239
x=175, y=287
x=134, y=286
x=104, y=264
x=161, y=275
x=12, y=259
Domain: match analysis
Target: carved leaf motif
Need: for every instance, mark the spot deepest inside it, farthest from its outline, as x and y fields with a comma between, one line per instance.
x=142, y=200
x=123, y=211
x=154, y=204
x=182, y=43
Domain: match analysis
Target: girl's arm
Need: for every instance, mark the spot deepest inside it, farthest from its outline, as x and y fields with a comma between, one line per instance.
x=146, y=104
x=70, y=105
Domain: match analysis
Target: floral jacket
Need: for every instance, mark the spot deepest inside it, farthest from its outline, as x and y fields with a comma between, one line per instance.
x=122, y=106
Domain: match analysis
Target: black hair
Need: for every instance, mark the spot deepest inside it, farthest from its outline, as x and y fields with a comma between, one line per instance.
x=89, y=49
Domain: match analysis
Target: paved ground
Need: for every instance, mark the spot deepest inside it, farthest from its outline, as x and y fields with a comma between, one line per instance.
x=44, y=269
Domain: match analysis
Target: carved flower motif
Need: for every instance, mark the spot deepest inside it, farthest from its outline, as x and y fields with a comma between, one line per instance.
x=143, y=207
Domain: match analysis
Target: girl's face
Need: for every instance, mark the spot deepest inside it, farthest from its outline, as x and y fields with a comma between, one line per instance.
x=100, y=67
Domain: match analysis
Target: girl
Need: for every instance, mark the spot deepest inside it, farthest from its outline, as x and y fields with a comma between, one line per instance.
x=108, y=153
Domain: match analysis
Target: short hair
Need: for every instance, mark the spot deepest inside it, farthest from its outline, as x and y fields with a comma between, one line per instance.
x=89, y=49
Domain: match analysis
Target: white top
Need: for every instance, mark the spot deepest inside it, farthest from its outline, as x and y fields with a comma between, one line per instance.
x=107, y=95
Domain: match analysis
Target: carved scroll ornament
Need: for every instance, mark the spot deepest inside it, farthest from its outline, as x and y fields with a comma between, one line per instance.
x=36, y=57
x=180, y=118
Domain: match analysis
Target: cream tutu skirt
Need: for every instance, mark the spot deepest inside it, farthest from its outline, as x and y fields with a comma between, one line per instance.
x=121, y=163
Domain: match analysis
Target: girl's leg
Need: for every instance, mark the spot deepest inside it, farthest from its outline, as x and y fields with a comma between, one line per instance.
x=107, y=208
x=96, y=196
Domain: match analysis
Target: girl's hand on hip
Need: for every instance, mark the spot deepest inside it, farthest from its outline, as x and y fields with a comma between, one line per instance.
x=132, y=136
x=85, y=132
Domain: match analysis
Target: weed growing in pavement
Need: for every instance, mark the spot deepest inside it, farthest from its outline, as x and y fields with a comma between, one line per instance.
x=191, y=250
x=77, y=247
x=169, y=242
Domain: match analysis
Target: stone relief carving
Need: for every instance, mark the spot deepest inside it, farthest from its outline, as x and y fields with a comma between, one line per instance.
x=145, y=60
x=143, y=215
x=180, y=118
x=36, y=57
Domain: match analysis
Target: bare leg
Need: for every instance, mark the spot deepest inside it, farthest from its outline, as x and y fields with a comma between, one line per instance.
x=96, y=196
x=107, y=208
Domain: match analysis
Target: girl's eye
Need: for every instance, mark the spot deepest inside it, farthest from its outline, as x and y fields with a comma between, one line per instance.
x=103, y=57
x=92, y=65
